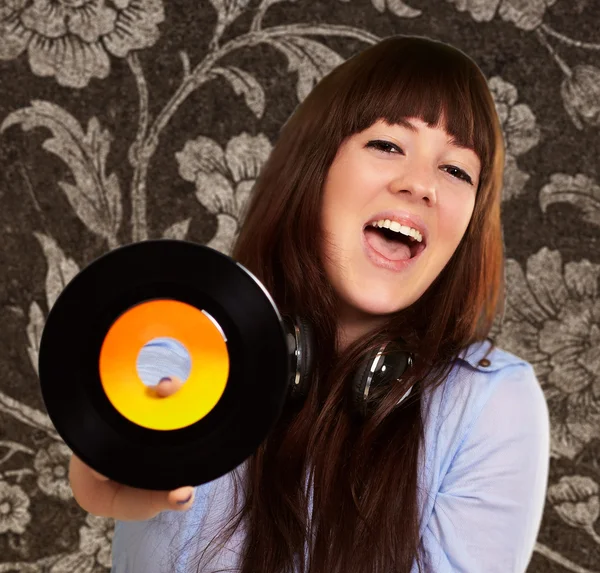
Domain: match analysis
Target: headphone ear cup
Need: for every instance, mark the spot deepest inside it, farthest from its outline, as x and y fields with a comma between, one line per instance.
x=359, y=383
x=306, y=345
x=377, y=370
x=300, y=347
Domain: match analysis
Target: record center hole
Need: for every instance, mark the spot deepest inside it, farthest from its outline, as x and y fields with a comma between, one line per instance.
x=163, y=357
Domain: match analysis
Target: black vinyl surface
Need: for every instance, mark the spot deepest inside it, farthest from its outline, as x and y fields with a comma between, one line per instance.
x=70, y=379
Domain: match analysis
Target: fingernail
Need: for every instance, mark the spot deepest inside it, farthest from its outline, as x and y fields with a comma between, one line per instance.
x=164, y=380
x=184, y=501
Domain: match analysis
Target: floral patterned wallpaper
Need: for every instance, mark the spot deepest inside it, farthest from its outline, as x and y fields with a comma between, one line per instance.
x=122, y=120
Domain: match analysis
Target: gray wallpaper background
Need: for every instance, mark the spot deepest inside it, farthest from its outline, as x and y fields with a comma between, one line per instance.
x=122, y=120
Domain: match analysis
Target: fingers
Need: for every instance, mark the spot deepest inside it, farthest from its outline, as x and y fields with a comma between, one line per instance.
x=102, y=496
x=168, y=386
x=181, y=498
x=131, y=504
x=107, y=498
x=139, y=504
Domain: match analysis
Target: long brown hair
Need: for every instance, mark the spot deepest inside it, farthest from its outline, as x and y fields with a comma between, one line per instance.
x=364, y=472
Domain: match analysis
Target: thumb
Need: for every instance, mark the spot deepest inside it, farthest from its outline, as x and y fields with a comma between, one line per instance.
x=168, y=386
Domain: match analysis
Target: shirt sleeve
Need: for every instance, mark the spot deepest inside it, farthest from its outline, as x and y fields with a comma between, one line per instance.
x=172, y=541
x=160, y=544
x=489, y=506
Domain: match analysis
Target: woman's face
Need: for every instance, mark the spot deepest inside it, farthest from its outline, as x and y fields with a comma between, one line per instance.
x=409, y=178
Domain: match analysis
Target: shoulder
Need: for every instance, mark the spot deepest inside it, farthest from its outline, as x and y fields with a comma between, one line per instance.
x=487, y=385
x=480, y=372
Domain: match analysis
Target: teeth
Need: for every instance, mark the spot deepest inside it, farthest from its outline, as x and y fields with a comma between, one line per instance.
x=398, y=228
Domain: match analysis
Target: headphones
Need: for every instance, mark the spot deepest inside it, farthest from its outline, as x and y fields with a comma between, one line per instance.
x=376, y=369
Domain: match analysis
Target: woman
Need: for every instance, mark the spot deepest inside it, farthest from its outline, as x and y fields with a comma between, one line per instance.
x=376, y=218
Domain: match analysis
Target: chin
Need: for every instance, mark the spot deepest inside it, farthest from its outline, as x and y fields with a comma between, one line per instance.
x=373, y=301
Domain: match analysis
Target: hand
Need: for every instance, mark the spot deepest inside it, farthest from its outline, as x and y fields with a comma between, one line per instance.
x=101, y=496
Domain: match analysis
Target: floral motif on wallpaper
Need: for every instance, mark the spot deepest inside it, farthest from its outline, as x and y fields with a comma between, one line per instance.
x=553, y=308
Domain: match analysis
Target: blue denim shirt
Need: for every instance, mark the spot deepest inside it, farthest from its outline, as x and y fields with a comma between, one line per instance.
x=483, y=480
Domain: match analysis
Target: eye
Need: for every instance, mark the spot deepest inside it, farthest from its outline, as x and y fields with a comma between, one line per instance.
x=385, y=146
x=458, y=173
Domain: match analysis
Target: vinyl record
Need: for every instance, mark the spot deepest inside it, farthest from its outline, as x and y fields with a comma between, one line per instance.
x=146, y=297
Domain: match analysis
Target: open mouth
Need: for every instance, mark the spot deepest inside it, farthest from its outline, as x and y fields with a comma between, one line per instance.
x=394, y=241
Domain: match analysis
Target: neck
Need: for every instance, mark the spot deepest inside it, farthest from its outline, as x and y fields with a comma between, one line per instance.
x=352, y=324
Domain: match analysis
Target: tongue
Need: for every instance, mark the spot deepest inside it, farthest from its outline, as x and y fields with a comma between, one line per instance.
x=393, y=250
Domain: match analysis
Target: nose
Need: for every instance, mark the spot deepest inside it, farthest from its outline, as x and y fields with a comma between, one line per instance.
x=418, y=183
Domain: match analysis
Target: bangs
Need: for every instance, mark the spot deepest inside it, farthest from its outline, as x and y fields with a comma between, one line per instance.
x=436, y=83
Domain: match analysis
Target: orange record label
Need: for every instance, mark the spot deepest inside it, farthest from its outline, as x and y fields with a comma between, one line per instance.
x=205, y=384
